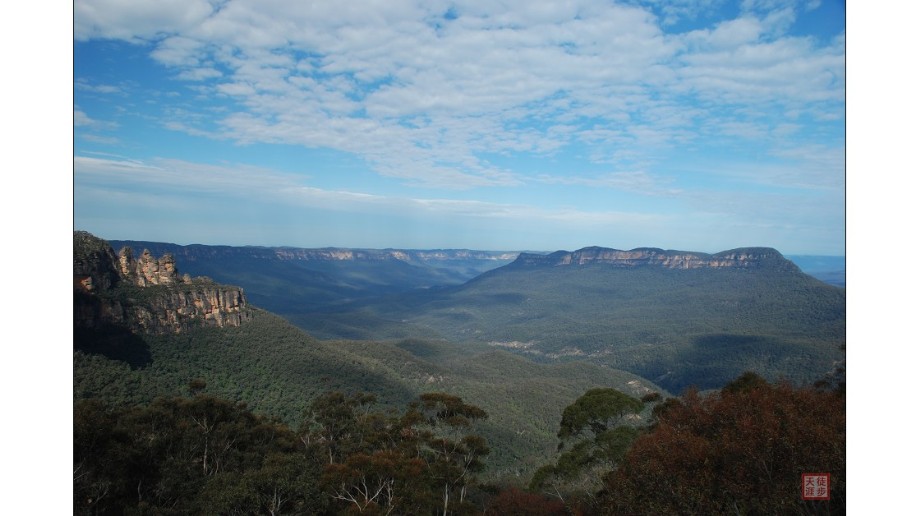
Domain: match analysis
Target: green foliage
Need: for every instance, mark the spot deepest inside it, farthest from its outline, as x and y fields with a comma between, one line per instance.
x=438, y=407
x=612, y=445
x=205, y=455
x=596, y=410
x=278, y=370
x=285, y=483
x=341, y=423
x=748, y=381
x=272, y=366
x=418, y=462
x=181, y=456
x=86, y=244
x=594, y=435
x=379, y=483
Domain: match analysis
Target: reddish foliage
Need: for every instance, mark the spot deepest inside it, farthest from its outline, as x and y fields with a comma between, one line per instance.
x=521, y=503
x=741, y=451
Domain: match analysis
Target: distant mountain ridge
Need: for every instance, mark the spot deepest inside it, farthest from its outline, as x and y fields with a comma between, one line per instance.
x=829, y=269
x=744, y=258
x=405, y=255
x=292, y=280
x=198, y=251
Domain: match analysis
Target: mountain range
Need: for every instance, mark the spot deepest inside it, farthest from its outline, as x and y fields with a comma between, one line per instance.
x=676, y=317
x=293, y=281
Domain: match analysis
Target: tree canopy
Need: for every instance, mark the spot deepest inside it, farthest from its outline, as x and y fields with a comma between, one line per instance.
x=739, y=451
x=207, y=455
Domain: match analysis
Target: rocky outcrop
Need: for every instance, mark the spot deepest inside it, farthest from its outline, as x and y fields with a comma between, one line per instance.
x=146, y=294
x=744, y=258
x=93, y=263
x=147, y=270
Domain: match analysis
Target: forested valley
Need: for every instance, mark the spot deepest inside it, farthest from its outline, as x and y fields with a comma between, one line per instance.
x=185, y=404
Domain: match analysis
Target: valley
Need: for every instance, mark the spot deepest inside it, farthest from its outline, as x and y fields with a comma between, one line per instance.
x=519, y=335
x=665, y=317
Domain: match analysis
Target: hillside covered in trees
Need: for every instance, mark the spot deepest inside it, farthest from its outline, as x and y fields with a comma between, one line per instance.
x=741, y=450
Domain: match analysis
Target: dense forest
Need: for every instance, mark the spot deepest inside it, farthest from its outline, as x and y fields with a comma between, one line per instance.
x=740, y=450
x=276, y=369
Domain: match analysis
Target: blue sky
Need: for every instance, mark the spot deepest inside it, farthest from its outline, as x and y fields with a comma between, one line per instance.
x=694, y=125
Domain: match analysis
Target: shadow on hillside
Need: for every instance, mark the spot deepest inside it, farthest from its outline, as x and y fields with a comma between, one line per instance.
x=715, y=345
x=113, y=342
x=712, y=360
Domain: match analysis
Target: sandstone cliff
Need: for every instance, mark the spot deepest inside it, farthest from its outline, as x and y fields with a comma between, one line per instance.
x=744, y=258
x=146, y=294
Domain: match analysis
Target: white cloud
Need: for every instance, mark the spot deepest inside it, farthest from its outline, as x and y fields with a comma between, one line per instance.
x=84, y=85
x=139, y=19
x=82, y=120
x=199, y=74
x=179, y=51
x=95, y=138
x=426, y=97
x=785, y=71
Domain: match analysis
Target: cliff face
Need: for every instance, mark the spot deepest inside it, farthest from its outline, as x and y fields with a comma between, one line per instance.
x=146, y=294
x=745, y=258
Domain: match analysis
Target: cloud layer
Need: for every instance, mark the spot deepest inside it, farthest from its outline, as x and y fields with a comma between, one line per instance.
x=429, y=91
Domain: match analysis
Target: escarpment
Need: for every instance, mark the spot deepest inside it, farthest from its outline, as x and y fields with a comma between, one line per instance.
x=146, y=294
x=743, y=258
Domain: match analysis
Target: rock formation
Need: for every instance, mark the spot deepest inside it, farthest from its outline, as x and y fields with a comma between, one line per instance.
x=146, y=294
x=147, y=270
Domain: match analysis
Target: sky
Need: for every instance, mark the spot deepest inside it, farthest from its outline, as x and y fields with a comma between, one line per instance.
x=506, y=125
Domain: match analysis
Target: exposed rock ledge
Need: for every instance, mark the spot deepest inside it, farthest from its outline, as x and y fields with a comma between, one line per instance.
x=146, y=294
